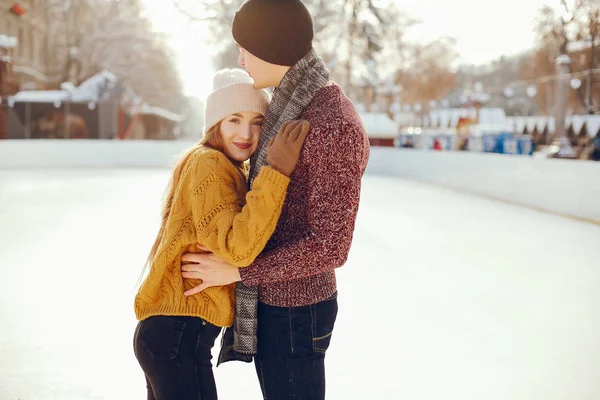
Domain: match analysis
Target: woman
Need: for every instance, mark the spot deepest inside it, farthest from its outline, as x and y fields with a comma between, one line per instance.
x=208, y=204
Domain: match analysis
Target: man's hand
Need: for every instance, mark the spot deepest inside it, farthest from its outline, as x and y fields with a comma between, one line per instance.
x=211, y=269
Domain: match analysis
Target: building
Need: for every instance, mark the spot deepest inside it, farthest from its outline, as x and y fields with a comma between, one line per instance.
x=381, y=129
x=23, y=42
x=52, y=50
x=102, y=107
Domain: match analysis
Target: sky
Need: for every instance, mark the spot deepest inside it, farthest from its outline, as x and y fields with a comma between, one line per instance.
x=484, y=30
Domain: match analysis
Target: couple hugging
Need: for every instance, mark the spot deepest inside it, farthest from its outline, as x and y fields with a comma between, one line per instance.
x=258, y=215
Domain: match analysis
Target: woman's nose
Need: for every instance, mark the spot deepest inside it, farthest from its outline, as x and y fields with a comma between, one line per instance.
x=245, y=131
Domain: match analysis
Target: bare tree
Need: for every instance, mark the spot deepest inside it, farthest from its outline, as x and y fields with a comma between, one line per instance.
x=218, y=15
x=85, y=37
x=573, y=30
x=350, y=35
x=427, y=73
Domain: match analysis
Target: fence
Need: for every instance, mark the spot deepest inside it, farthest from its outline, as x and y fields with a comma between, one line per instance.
x=74, y=120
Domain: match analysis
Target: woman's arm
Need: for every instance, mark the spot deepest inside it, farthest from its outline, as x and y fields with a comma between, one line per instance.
x=235, y=231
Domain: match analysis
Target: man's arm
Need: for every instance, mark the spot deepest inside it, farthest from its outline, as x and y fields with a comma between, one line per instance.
x=335, y=172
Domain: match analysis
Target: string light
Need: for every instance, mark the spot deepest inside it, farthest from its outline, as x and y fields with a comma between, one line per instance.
x=530, y=84
x=545, y=80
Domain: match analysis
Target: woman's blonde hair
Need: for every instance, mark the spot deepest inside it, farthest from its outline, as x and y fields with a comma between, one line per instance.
x=211, y=139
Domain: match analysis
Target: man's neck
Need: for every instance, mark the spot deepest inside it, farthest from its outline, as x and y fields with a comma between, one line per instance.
x=281, y=74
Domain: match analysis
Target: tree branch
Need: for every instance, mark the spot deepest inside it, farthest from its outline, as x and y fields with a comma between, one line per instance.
x=185, y=12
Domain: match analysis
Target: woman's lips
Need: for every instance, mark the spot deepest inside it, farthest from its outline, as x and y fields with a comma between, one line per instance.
x=243, y=146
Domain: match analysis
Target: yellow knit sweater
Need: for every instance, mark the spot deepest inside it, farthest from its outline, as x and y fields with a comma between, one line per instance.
x=210, y=206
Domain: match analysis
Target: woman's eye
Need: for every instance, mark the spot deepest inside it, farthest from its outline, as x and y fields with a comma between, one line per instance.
x=234, y=120
x=258, y=123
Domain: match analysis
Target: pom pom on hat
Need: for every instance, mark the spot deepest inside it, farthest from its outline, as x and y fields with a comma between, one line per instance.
x=233, y=92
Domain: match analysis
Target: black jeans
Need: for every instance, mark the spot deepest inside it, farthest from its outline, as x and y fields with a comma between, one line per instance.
x=175, y=354
x=292, y=341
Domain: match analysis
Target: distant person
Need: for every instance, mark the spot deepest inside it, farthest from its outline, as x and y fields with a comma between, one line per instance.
x=464, y=144
x=596, y=152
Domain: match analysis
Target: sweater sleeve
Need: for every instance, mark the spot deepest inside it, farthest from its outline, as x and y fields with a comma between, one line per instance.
x=336, y=166
x=234, y=231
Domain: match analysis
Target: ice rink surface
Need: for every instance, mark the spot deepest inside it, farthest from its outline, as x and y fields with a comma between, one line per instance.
x=445, y=296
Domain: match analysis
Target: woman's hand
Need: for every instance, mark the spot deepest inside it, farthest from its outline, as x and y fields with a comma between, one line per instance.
x=210, y=268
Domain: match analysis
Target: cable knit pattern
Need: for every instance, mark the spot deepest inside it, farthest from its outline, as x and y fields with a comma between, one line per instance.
x=211, y=206
x=316, y=226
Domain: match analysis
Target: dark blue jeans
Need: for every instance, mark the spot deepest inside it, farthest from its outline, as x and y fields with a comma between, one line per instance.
x=175, y=354
x=292, y=342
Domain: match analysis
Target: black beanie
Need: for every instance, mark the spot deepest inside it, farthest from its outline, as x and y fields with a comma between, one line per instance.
x=276, y=31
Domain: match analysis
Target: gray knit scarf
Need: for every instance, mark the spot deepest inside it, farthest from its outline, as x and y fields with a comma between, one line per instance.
x=290, y=98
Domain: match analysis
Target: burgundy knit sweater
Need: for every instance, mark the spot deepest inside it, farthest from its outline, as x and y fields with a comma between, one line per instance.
x=315, y=229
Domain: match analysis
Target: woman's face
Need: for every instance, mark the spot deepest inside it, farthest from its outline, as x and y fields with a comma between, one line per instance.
x=240, y=133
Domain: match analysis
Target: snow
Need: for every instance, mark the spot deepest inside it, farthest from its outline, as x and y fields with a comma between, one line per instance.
x=41, y=96
x=96, y=87
x=93, y=89
x=445, y=296
x=8, y=42
x=579, y=45
x=379, y=125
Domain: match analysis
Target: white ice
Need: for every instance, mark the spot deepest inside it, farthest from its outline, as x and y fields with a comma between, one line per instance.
x=445, y=296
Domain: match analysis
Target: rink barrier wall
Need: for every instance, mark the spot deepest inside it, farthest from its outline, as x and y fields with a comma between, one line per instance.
x=90, y=153
x=565, y=187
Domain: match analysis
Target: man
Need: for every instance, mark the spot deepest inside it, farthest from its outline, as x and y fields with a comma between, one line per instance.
x=294, y=277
